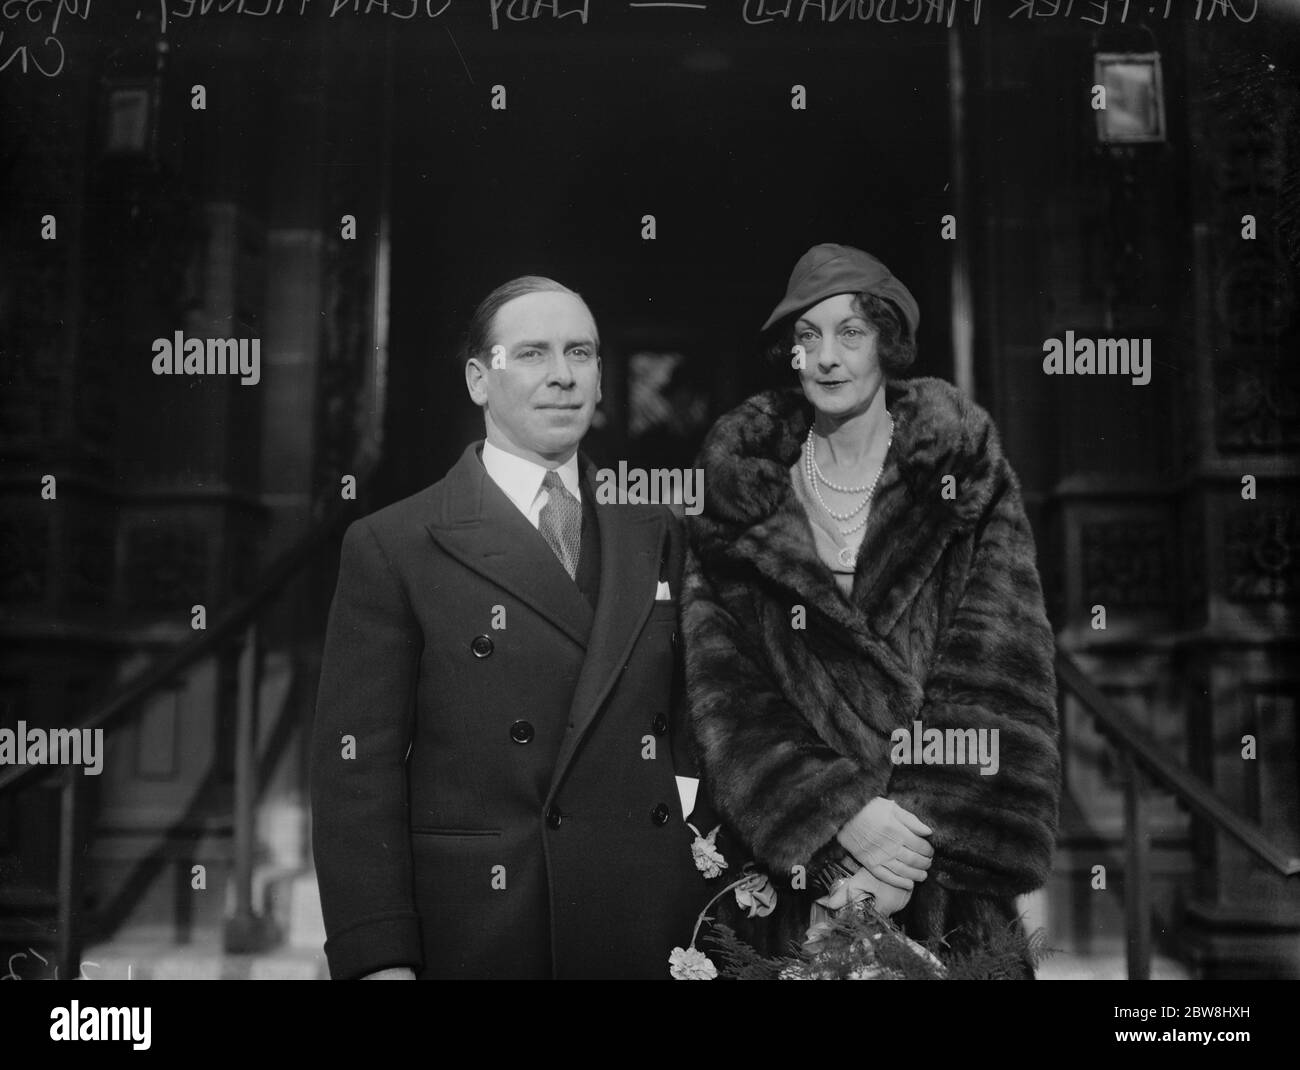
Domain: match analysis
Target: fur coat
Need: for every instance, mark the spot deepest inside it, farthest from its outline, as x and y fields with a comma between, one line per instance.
x=945, y=626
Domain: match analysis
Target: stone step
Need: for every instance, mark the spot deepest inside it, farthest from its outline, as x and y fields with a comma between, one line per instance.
x=142, y=956
x=1067, y=966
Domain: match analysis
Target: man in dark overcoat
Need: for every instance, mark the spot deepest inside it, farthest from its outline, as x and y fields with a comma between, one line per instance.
x=499, y=782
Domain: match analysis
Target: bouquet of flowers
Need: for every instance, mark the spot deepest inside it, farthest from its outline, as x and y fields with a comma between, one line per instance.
x=856, y=943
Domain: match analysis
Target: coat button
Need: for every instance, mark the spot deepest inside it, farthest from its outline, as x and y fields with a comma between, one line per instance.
x=521, y=731
x=554, y=817
x=659, y=725
x=675, y=640
x=659, y=815
x=481, y=645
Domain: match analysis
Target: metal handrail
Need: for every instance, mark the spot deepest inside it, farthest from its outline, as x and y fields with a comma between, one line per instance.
x=1142, y=759
x=228, y=624
x=1164, y=770
x=244, y=930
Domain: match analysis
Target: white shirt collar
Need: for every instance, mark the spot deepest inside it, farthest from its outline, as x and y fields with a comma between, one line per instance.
x=521, y=479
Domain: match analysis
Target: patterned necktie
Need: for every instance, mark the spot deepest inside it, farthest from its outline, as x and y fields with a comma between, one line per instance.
x=560, y=522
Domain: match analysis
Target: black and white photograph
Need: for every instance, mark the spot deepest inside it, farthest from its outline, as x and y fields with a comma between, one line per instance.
x=612, y=490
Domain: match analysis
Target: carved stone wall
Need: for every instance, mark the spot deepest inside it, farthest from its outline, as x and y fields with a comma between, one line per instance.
x=1138, y=488
x=1246, y=120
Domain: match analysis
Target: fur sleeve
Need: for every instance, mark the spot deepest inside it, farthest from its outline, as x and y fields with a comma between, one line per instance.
x=994, y=670
x=775, y=781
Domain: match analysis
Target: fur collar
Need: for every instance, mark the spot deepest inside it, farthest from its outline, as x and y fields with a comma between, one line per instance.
x=752, y=518
x=938, y=431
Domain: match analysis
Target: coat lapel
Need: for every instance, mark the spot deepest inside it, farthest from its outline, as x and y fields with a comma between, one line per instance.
x=905, y=540
x=761, y=525
x=480, y=527
x=631, y=546
x=782, y=550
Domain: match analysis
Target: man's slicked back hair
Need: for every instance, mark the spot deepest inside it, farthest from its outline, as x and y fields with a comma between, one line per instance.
x=478, y=335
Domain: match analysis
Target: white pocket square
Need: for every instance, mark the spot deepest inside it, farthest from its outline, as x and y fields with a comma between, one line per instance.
x=687, y=787
x=662, y=593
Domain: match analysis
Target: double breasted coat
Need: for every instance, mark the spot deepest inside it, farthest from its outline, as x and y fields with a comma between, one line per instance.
x=794, y=711
x=509, y=807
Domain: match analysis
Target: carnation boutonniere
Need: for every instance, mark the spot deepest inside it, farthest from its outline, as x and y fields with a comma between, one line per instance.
x=708, y=859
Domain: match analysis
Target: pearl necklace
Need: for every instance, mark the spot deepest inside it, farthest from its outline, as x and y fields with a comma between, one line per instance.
x=814, y=476
x=835, y=486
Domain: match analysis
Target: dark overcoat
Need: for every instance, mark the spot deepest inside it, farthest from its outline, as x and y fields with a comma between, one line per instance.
x=793, y=710
x=509, y=807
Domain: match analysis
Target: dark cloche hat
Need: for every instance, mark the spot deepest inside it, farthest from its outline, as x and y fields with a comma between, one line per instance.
x=826, y=270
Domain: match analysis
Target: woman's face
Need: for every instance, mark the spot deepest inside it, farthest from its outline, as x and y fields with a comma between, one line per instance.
x=841, y=371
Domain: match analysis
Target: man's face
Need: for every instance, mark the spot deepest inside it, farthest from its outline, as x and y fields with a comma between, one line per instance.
x=541, y=391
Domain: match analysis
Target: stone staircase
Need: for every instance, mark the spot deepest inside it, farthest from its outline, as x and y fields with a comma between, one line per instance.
x=286, y=894
x=284, y=889
x=1084, y=928
x=292, y=899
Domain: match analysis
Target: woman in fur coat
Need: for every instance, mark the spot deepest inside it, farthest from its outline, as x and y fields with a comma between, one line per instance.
x=863, y=573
